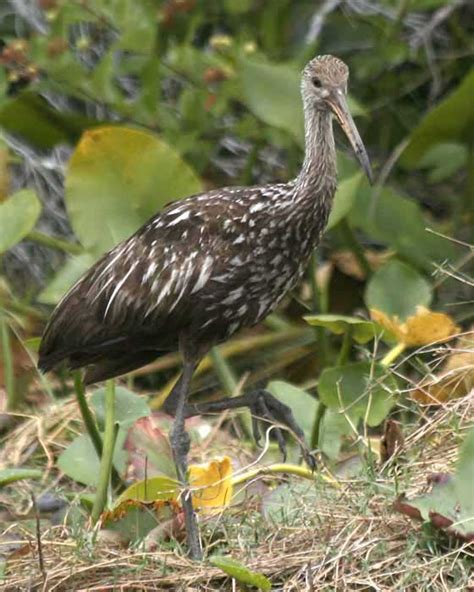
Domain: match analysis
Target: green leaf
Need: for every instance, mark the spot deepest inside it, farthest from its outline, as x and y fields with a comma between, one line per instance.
x=444, y=160
x=136, y=21
x=399, y=222
x=30, y=116
x=464, y=481
x=344, y=199
x=334, y=426
x=360, y=390
x=361, y=330
x=122, y=176
x=80, y=461
x=150, y=490
x=450, y=503
x=8, y=476
x=18, y=216
x=128, y=406
x=239, y=572
x=286, y=504
x=302, y=404
x=451, y=120
x=397, y=289
x=65, y=278
x=272, y=93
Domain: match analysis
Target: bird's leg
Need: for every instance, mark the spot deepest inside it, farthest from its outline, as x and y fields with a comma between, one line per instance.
x=263, y=405
x=180, y=444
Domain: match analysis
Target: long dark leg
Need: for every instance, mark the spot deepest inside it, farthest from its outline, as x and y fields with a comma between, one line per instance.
x=263, y=405
x=180, y=444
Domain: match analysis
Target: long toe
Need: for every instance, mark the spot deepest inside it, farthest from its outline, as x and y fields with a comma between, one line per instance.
x=277, y=411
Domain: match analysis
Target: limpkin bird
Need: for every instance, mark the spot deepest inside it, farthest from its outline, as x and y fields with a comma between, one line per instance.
x=202, y=269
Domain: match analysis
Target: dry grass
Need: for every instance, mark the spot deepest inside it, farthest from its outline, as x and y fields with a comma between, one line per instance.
x=337, y=538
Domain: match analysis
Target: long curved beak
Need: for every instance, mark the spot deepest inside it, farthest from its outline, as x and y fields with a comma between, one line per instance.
x=337, y=102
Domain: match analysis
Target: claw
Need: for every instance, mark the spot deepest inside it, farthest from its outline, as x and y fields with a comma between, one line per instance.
x=281, y=442
x=309, y=458
x=256, y=429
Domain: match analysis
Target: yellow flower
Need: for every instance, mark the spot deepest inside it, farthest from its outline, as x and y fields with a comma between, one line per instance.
x=211, y=483
x=422, y=328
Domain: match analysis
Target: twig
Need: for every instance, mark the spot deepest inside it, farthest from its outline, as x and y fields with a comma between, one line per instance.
x=38, y=537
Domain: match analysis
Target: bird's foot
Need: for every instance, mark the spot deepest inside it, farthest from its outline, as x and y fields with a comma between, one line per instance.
x=264, y=406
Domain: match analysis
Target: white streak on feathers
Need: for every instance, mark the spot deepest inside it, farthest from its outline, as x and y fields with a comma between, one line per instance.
x=117, y=288
x=204, y=274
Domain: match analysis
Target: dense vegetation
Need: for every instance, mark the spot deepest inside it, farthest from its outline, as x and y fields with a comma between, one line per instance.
x=109, y=109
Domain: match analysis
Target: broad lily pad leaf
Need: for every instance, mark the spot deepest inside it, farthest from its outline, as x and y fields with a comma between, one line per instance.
x=422, y=328
x=360, y=391
x=242, y=574
x=80, y=461
x=211, y=484
x=400, y=223
x=8, y=476
x=150, y=490
x=124, y=176
x=451, y=120
x=344, y=199
x=302, y=404
x=65, y=278
x=18, y=216
x=128, y=406
x=450, y=503
x=272, y=93
x=361, y=330
x=133, y=520
x=396, y=289
x=334, y=427
x=31, y=117
x=286, y=504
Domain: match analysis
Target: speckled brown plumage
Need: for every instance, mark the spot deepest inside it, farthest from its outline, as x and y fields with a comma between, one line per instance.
x=202, y=269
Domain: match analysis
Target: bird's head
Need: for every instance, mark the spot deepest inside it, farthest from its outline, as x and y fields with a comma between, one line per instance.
x=324, y=87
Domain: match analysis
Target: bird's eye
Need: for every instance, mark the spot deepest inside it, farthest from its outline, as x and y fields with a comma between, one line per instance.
x=316, y=82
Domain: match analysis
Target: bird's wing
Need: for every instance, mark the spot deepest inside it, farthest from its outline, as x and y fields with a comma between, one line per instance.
x=145, y=281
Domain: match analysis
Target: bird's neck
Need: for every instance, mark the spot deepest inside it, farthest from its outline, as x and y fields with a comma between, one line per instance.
x=317, y=178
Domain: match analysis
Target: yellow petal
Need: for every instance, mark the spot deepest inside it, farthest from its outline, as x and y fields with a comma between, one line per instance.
x=455, y=380
x=390, y=324
x=427, y=327
x=211, y=483
x=422, y=328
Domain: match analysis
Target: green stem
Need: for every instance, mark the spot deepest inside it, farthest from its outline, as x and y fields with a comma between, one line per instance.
x=277, y=322
x=229, y=382
x=345, y=348
x=354, y=245
x=54, y=243
x=393, y=354
x=87, y=417
x=12, y=394
x=280, y=468
x=316, y=431
x=223, y=371
x=107, y=455
x=91, y=427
